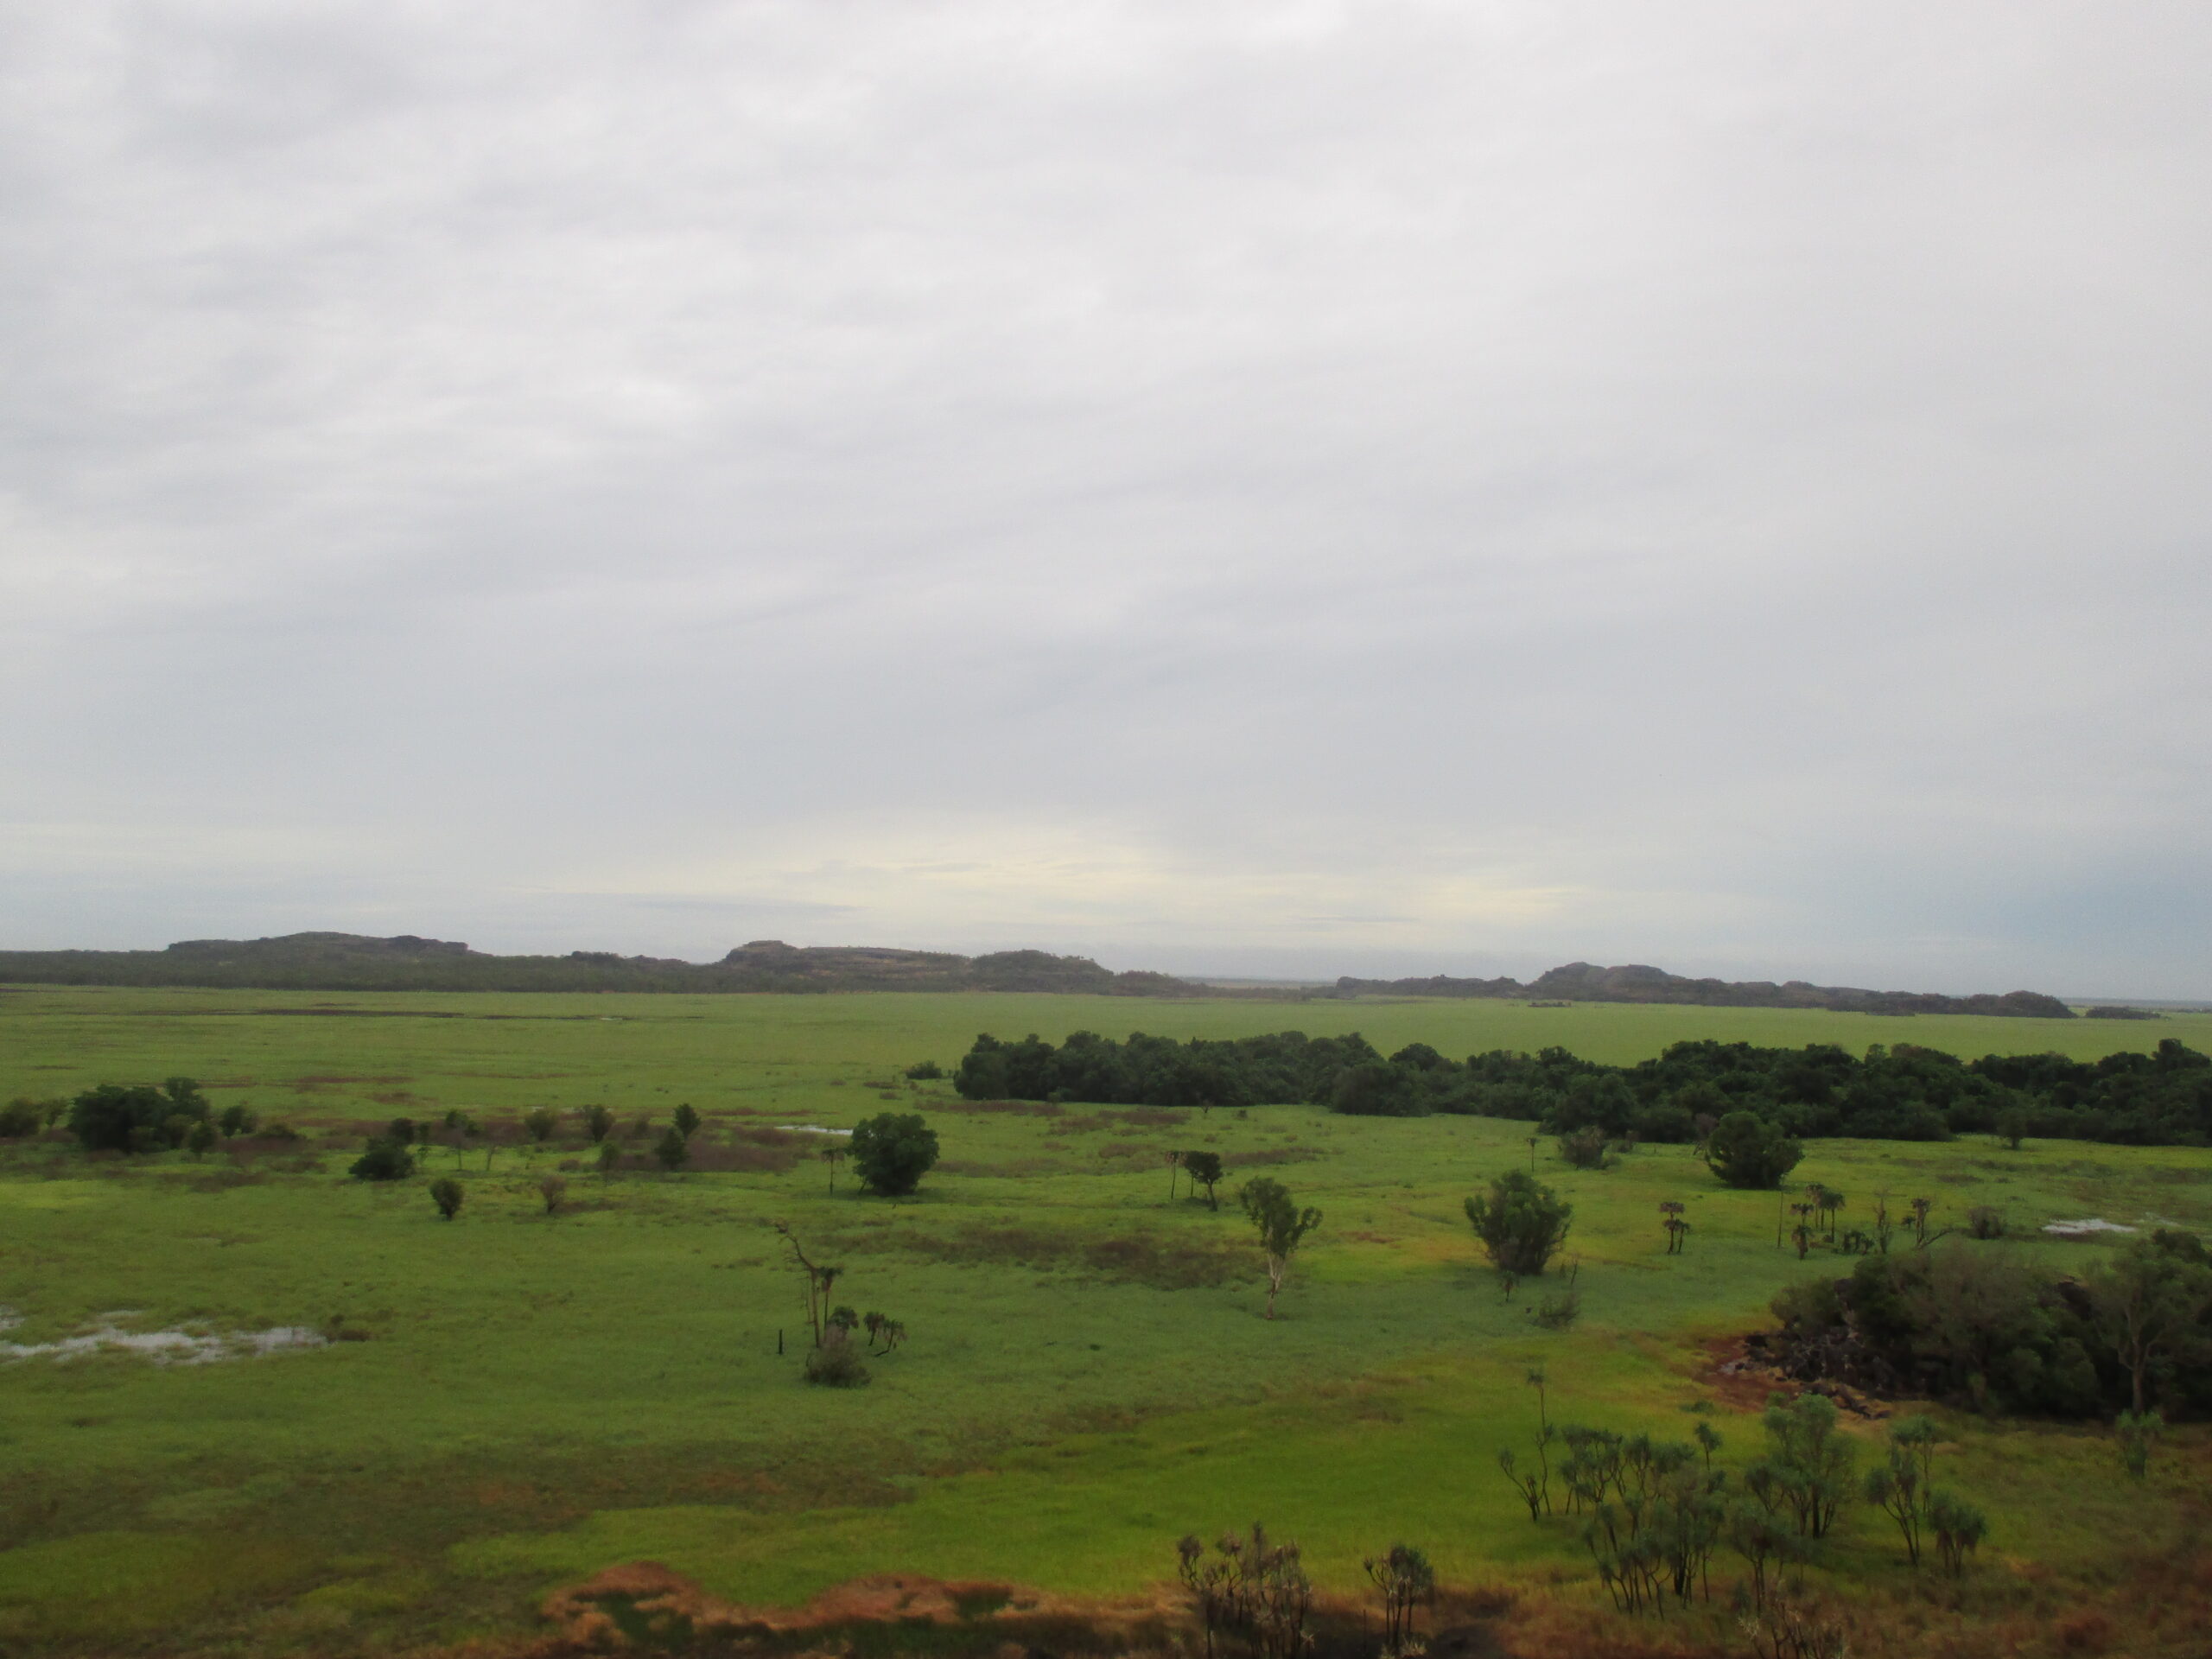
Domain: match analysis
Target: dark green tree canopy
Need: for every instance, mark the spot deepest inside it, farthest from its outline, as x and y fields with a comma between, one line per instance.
x=1746, y=1150
x=1902, y=1092
x=123, y=1117
x=893, y=1151
x=1521, y=1225
x=384, y=1158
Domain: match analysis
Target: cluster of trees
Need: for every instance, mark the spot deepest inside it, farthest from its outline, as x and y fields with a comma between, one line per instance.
x=1993, y=1330
x=1655, y=1512
x=143, y=1117
x=1900, y=1093
x=1159, y=1070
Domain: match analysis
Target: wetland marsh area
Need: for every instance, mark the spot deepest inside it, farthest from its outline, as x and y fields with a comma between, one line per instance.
x=467, y=1416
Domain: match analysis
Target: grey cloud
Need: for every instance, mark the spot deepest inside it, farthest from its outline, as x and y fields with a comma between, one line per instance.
x=1728, y=474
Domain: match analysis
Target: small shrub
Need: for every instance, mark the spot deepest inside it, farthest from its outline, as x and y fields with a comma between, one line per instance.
x=555, y=1192
x=384, y=1160
x=237, y=1120
x=672, y=1149
x=1585, y=1149
x=926, y=1071
x=1985, y=1221
x=1559, y=1310
x=1959, y=1528
x=19, y=1118
x=836, y=1365
x=2137, y=1432
x=599, y=1123
x=447, y=1194
x=541, y=1123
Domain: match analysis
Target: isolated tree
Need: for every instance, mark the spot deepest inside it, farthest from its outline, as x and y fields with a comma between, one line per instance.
x=540, y=1124
x=1808, y=1464
x=672, y=1149
x=554, y=1190
x=820, y=1277
x=1902, y=1488
x=1282, y=1225
x=447, y=1194
x=686, y=1119
x=1959, y=1528
x=893, y=1151
x=1205, y=1169
x=610, y=1158
x=1746, y=1150
x=834, y=1156
x=1521, y=1223
x=599, y=1123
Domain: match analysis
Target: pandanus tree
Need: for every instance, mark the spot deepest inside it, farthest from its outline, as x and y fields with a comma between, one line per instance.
x=821, y=1278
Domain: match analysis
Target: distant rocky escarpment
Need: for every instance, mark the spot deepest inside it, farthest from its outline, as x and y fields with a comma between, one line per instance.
x=354, y=962
x=1583, y=982
x=336, y=962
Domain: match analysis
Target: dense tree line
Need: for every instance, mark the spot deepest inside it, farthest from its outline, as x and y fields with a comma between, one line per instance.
x=1899, y=1093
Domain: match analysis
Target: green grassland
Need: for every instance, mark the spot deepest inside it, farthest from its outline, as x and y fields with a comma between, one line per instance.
x=1087, y=1376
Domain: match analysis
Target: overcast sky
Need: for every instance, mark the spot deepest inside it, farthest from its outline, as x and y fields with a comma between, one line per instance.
x=1274, y=488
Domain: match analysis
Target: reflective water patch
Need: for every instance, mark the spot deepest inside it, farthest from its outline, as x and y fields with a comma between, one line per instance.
x=162, y=1347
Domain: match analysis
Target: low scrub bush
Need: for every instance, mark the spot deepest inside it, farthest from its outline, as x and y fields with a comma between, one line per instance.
x=835, y=1364
x=1585, y=1149
x=383, y=1159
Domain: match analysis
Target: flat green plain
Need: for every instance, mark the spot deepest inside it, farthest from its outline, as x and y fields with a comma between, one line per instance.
x=1087, y=1378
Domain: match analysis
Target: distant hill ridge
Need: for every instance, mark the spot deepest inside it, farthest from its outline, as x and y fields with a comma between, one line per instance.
x=1583, y=982
x=337, y=962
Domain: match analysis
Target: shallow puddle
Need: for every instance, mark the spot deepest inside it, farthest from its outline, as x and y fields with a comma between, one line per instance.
x=162, y=1347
